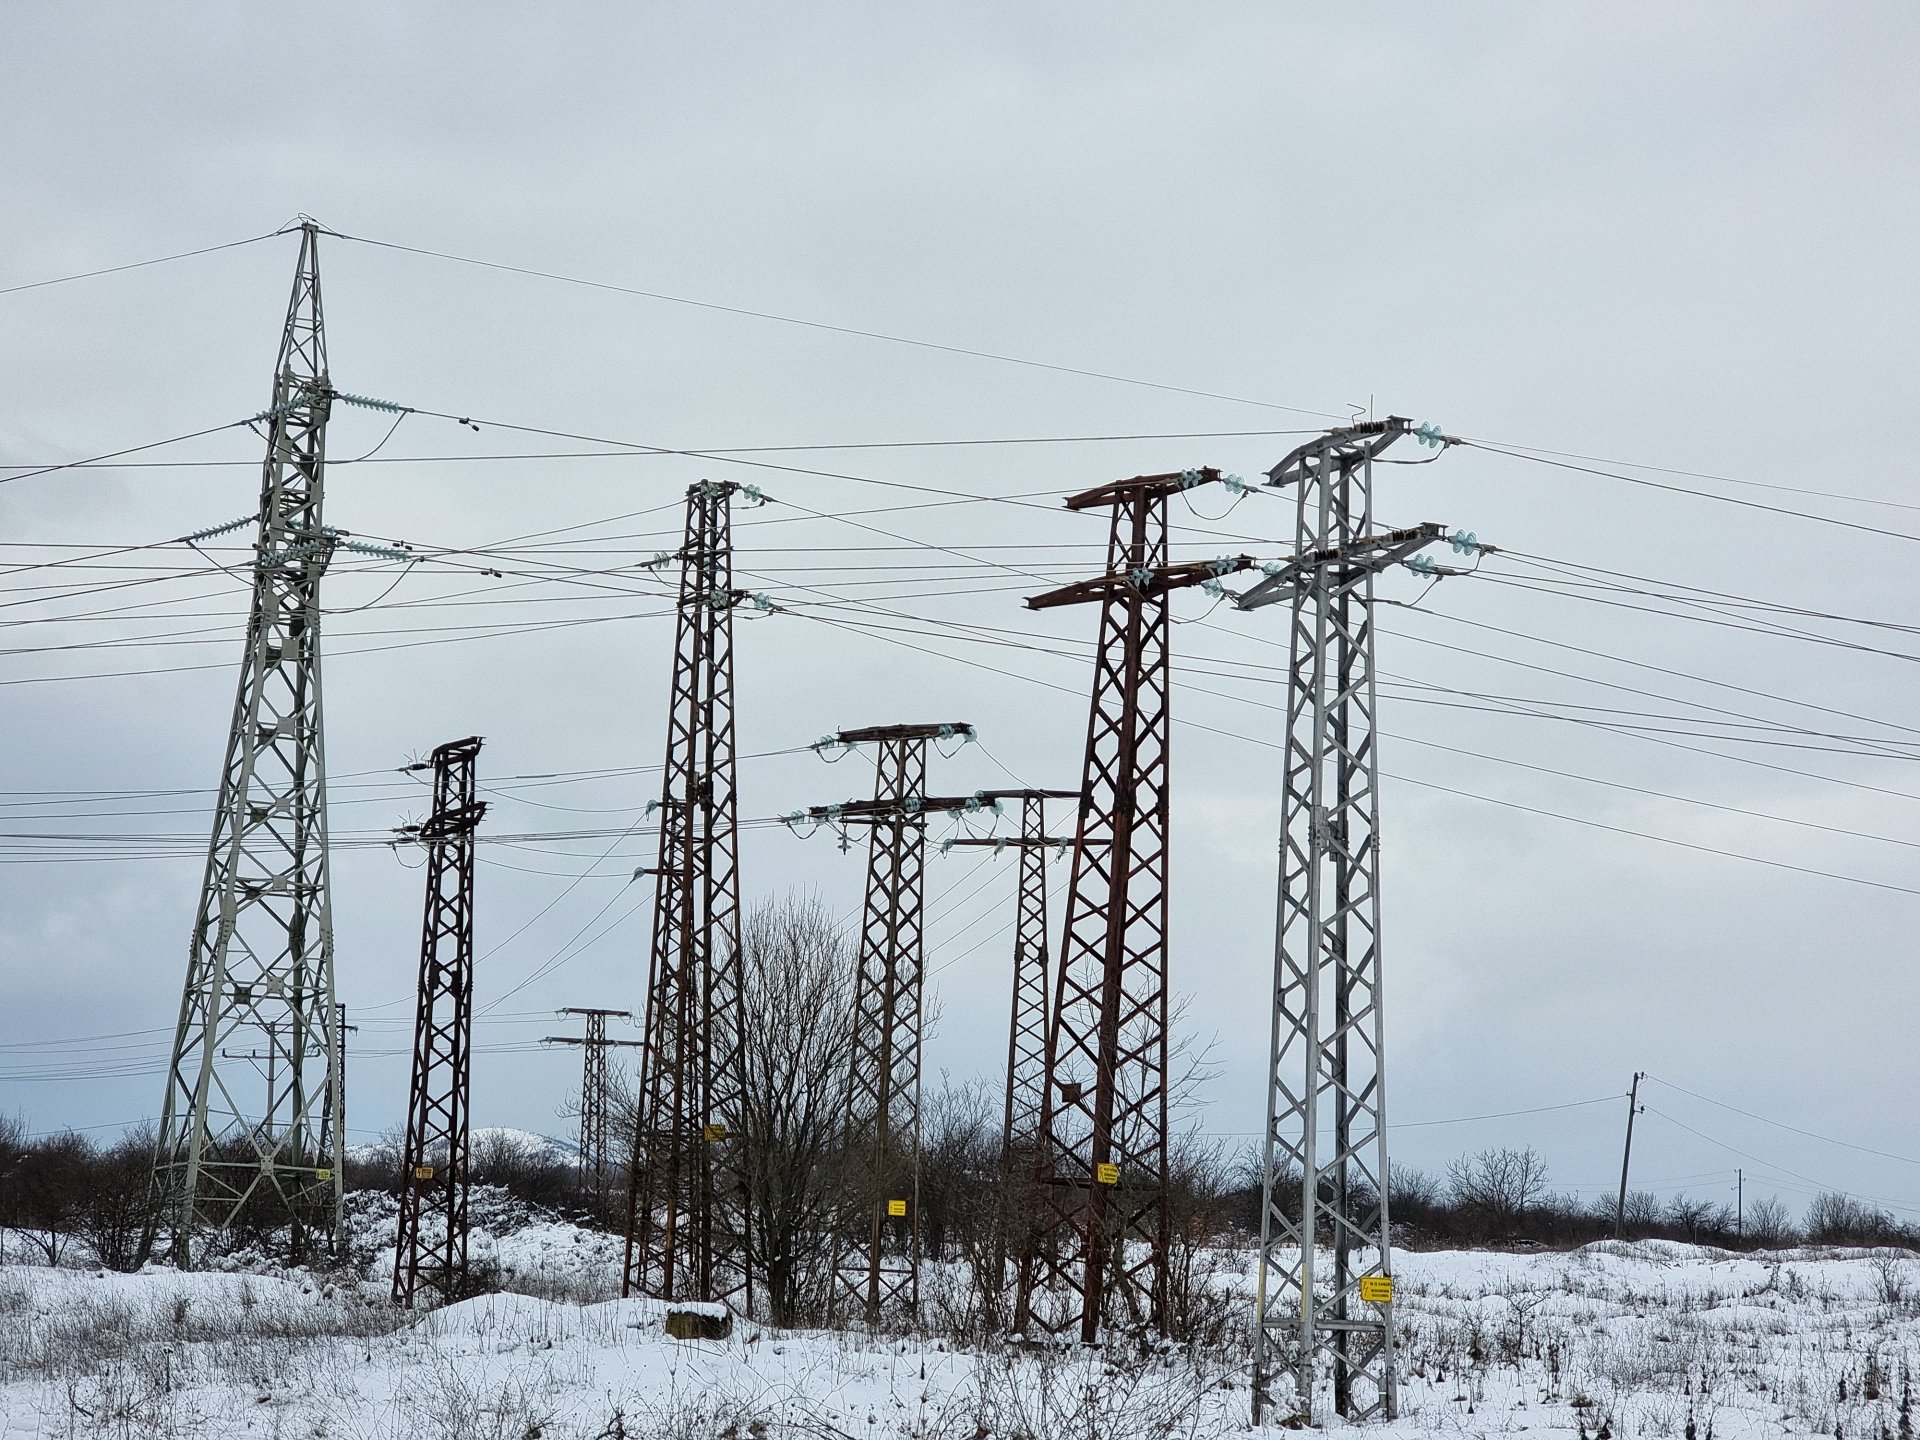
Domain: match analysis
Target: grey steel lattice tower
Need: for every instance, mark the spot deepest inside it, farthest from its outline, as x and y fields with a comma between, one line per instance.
x=883, y=1082
x=235, y=1146
x=1326, y=1138
x=594, y=1170
x=687, y=1216
x=432, y=1245
x=1102, y=1225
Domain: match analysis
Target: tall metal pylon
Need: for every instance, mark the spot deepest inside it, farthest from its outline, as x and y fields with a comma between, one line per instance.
x=883, y=1081
x=1325, y=1168
x=432, y=1244
x=236, y=1149
x=687, y=1211
x=1020, y=1129
x=1103, y=1224
x=594, y=1169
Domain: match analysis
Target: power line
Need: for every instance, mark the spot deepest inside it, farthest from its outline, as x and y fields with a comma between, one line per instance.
x=713, y=450
x=1542, y=459
x=1771, y=1165
x=831, y=328
x=138, y=264
x=1782, y=1125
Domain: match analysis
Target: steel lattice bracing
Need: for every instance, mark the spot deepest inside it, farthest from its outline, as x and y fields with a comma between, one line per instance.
x=687, y=1224
x=595, y=1167
x=1101, y=1237
x=254, y=1064
x=1026, y=1028
x=432, y=1245
x=880, y=1271
x=1324, y=1222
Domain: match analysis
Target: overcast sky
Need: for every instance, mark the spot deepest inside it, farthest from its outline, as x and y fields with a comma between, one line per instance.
x=1675, y=236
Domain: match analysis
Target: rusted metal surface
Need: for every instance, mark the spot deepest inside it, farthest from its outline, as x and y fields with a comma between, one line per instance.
x=687, y=1216
x=431, y=1251
x=1099, y=1248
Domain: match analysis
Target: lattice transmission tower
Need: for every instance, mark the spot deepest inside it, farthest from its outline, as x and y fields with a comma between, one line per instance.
x=1101, y=1235
x=432, y=1244
x=594, y=1168
x=882, y=1183
x=1020, y=1129
x=687, y=1216
x=1325, y=1286
x=240, y=1139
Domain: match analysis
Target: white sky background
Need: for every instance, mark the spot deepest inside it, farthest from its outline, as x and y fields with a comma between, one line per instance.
x=1679, y=237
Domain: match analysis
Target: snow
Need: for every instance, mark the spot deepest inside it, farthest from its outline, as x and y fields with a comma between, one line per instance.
x=1641, y=1339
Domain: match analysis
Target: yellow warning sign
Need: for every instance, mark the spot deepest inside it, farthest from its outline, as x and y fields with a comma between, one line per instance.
x=1376, y=1289
x=896, y=1207
x=423, y=1172
x=1106, y=1173
x=715, y=1131
x=323, y=1174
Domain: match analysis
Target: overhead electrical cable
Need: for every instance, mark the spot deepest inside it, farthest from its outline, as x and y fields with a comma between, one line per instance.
x=825, y=326
x=136, y=264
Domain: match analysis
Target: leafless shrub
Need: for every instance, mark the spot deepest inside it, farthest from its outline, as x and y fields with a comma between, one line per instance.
x=1498, y=1187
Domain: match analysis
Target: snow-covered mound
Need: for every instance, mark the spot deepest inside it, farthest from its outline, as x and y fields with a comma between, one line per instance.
x=1629, y=1342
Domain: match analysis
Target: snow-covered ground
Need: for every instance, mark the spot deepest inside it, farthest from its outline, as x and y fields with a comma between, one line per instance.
x=1626, y=1342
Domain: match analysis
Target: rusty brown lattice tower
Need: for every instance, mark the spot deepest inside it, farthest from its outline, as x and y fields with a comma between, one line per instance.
x=431, y=1250
x=1020, y=1128
x=877, y=1265
x=1100, y=1242
x=687, y=1215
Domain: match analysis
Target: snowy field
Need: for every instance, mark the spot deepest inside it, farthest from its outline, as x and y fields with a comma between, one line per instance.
x=1622, y=1342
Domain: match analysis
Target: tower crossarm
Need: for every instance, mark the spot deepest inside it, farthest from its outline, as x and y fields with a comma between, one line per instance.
x=1143, y=487
x=1150, y=580
x=1011, y=842
x=1344, y=446
x=910, y=809
x=591, y=1040
x=1351, y=562
x=946, y=730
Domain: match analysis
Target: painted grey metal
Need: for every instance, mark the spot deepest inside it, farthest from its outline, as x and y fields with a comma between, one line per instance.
x=1324, y=1213
x=243, y=1140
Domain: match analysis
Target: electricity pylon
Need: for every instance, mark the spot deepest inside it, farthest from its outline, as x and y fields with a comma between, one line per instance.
x=593, y=1092
x=882, y=1183
x=1103, y=1162
x=432, y=1244
x=687, y=1212
x=1325, y=1170
x=234, y=1147
x=1027, y=1024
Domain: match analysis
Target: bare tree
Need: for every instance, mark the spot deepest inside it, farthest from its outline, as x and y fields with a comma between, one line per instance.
x=798, y=992
x=1835, y=1218
x=1498, y=1187
x=1768, y=1225
x=1697, y=1219
x=121, y=1205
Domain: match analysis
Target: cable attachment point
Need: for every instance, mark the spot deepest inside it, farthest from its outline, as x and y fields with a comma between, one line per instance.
x=1431, y=434
x=1219, y=565
x=1465, y=542
x=382, y=552
x=1235, y=485
x=367, y=402
x=214, y=530
x=752, y=494
x=1191, y=478
x=286, y=407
